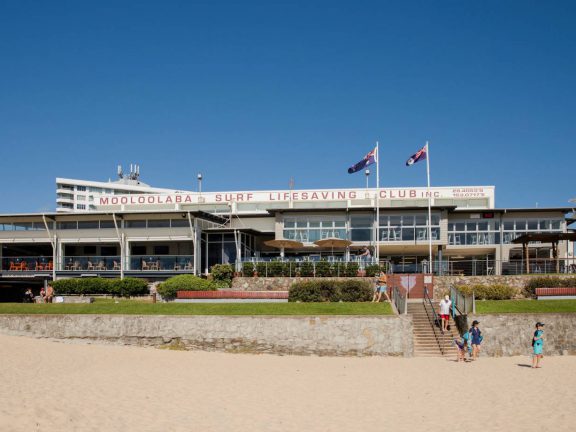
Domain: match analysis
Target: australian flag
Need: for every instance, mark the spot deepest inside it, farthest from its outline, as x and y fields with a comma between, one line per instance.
x=417, y=157
x=369, y=159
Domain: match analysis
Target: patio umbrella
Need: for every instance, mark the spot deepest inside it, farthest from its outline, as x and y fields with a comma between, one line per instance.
x=284, y=244
x=333, y=243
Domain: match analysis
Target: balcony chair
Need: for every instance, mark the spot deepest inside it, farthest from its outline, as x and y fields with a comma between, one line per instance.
x=188, y=266
x=145, y=266
x=115, y=265
x=12, y=266
x=90, y=266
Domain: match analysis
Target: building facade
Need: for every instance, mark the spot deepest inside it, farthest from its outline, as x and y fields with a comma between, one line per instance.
x=156, y=235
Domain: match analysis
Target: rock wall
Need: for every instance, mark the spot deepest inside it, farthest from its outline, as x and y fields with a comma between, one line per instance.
x=322, y=335
x=510, y=334
x=274, y=283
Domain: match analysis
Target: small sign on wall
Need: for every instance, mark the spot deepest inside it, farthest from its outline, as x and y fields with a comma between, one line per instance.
x=427, y=279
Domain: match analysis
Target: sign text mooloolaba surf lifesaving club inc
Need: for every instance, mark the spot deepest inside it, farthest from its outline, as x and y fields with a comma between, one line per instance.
x=301, y=195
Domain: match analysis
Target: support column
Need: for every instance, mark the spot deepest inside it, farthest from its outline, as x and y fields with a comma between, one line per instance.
x=197, y=247
x=127, y=253
x=526, y=257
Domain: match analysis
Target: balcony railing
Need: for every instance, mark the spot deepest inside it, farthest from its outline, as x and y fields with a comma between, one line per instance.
x=27, y=263
x=90, y=263
x=162, y=262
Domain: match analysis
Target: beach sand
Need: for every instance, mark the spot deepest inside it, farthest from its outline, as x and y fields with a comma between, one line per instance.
x=54, y=386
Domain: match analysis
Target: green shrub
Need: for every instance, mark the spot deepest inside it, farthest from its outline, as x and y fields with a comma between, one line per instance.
x=355, y=290
x=489, y=292
x=306, y=269
x=128, y=287
x=275, y=268
x=372, y=270
x=547, y=282
x=352, y=269
x=185, y=282
x=94, y=286
x=330, y=290
x=248, y=269
x=66, y=286
x=323, y=269
x=290, y=268
x=119, y=287
x=222, y=273
x=261, y=269
x=339, y=269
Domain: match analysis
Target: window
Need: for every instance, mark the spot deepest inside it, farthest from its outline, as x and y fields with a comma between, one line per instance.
x=180, y=223
x=106, y=224
x=361, y=228
x=81, y=198
x=136, y=224
x=138, y=250
x=88, y=225
x=67, y=225
x=161, y=223
x=81, y=188
x=81, y=206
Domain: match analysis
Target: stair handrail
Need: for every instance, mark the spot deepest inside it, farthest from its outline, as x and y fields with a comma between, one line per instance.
x=433, y=320
x=399, y=301
x=461, y=302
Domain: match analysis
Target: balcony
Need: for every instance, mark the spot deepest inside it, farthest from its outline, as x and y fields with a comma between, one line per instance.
x=27, y=264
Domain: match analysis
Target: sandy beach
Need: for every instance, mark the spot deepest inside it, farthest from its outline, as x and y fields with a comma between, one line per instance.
x=54, y=386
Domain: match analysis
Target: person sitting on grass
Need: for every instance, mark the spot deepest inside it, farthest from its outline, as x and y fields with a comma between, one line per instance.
x=537, y=345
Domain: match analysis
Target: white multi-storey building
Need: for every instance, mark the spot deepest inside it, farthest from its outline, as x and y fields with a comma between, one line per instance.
x=73, y=195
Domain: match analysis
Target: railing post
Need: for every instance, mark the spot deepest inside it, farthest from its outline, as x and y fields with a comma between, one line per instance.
x=473, y=303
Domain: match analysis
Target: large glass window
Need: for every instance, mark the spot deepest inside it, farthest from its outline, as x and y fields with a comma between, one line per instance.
x=478, y=232
x=408, y=227
x=309, y=229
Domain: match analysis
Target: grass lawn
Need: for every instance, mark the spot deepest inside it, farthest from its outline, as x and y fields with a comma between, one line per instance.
x=132, y=307
x=525, y=306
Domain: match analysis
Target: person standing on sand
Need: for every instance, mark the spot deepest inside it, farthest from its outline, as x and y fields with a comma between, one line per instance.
x=445, y=305
x=476, y=336
x=538, y=345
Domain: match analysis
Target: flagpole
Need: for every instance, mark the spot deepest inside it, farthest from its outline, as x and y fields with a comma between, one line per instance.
x=377, y=251
x=431, y=268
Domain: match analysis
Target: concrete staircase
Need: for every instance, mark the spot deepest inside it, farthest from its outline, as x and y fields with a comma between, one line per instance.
x=425, y=343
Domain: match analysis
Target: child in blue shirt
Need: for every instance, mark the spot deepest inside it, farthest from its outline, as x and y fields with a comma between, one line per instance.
x=537, y=345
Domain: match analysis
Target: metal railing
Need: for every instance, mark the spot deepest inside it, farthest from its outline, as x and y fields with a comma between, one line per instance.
x=399, y=300
x=90, y=263
x=482, y=267
x=434, y=318
x=161, y=262
x=27, y=263
x=462, y=304
x=292, y=268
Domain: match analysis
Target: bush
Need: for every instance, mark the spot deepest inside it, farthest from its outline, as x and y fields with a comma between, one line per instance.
x=222, y=273
x=248, y=269
x=128, y=287
x=169, y=288
x=489, y=292
x=323, y=269
x=547, y=282
x=275, y=268
x=330, y=290
x=66, y=286
x=352, y=269
x=372, y=270
x=290, y=269
x=261, y=269
x=306, y=269
x=84, y=286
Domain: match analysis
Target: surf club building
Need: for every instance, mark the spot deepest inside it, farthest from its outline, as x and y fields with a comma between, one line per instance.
x=157, y=235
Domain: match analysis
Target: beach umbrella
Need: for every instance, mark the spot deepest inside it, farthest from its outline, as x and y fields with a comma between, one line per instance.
x=333, y=243
x=284, y=244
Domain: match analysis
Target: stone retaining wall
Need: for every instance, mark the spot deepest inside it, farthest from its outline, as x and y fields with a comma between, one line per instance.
x=317, y=335
x=275, y=283
x=510, y=334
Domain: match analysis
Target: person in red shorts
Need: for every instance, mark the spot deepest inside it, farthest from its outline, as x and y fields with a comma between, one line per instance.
x=445, y=305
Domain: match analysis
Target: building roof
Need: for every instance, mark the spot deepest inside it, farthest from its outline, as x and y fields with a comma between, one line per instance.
x=544, y=237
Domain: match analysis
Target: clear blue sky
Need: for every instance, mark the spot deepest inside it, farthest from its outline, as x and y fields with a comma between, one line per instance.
x=253, y=93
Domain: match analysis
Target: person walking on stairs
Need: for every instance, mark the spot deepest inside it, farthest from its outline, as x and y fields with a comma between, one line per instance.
x=445, y=305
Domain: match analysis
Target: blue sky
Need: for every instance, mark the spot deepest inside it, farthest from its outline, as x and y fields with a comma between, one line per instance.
x=254, y=93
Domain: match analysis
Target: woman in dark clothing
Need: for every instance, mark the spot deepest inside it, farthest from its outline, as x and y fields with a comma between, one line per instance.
x=476, y=336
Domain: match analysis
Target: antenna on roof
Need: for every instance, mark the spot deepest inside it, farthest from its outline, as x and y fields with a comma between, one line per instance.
x=120, y=172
